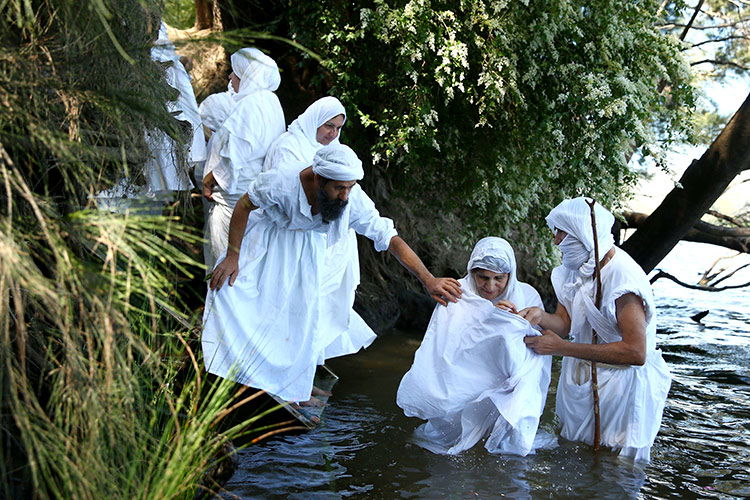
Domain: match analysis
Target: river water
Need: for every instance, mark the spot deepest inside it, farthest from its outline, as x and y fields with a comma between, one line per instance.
x=363, y=448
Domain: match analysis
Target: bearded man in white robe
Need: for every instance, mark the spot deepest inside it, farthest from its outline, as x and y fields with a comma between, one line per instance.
x=633, y=378
x=239, y=146
x=473, y=376
x=270, y=327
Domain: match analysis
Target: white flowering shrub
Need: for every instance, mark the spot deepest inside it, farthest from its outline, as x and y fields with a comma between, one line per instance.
x=497, y=110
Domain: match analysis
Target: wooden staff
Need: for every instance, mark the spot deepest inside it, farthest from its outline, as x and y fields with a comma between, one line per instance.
x=594, y=336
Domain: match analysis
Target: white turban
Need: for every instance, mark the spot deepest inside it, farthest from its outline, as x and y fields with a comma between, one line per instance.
x=338, y=163
x=215, y=109
x=255, y=70
x=496, y=255
x=574, y=217
x=306, y=125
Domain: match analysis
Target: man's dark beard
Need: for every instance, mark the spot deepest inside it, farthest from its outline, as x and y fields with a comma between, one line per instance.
x=330, y=209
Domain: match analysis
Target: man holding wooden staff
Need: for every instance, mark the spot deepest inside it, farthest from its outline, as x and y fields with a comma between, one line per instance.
x=618, y=336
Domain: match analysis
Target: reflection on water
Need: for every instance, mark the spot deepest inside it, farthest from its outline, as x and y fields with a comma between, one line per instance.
x=363, y=448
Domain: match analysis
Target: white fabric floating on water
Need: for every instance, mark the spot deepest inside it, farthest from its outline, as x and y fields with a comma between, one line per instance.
x=631, y=398
x=473, y=376
x=276, y=323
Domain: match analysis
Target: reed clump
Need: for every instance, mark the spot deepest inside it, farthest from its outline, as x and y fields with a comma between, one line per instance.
x=102, y=395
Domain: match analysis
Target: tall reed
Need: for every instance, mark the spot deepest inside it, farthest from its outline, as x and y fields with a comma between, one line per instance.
x=102, y=395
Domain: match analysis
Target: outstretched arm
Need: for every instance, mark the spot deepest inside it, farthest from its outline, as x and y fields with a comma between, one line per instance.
x=441, y=289
x=631, y=350
x=229, y=267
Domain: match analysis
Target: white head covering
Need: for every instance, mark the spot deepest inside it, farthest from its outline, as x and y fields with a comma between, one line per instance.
x=215, y=109
x=306, y=125
x=338, y=163
x=496, y=255
x=574, y=217
x=255, y=70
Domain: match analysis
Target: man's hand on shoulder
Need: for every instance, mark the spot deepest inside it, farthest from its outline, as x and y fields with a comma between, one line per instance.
x=227, y=269
x=444, y=290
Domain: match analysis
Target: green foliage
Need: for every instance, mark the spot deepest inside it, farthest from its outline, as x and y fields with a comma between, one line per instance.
x=179, y=13
x=497, y=110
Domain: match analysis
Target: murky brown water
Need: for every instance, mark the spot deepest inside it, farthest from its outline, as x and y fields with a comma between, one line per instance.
x=363, y=448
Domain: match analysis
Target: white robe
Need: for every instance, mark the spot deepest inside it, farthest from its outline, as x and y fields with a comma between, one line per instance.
x=473, y=376
x=236, y=157
x=274, y=325
x=164, y=171
x=631, y=398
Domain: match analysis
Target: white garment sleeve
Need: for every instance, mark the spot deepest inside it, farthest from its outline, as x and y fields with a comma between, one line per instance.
x=366, y=220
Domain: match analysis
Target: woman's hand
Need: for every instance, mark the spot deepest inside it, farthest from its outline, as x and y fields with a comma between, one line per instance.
x=507, y=305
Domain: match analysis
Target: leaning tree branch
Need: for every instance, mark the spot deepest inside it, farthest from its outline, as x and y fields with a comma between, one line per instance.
x=662, y=274
x=732, y=220
x=734, y=238
x=724, y=278
x=699, y=187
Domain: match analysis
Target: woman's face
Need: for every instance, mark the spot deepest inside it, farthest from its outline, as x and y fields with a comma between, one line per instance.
x=559, y=235
x=329, y=130
x=490, y=285
x=235, y=81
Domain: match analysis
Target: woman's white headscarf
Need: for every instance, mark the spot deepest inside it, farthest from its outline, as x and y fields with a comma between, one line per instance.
x=299, y=143
x=306, y=125
x=496, y=255
x=255, y=70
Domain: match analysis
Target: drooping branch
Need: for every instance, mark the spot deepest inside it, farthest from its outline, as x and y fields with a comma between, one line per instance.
x=716, y=62
x=662, y=274
x=699, y=187
x=732, y=220
x=734, y=238
x=720, y=40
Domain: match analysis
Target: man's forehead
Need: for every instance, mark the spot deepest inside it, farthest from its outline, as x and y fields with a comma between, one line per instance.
x=343, y=183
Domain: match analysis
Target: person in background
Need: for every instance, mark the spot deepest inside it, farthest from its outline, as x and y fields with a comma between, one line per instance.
x=239, y=146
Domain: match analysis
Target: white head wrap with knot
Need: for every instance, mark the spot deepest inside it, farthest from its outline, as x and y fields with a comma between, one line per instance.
x=338, y=163
x=496, y=255
x=574, y=217
x=255, y=70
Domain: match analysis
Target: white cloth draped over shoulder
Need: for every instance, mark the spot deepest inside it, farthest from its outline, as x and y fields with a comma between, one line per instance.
x=239, y=146
x=473, y=375
x=215, y=109
x=631, y=398
x=299, y=142
x=164, y=171
x=271, y=328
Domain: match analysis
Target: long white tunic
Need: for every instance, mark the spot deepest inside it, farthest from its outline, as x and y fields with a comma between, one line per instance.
x=236, y=158
x=273, y=326
x=631, y=398
x=473, y=376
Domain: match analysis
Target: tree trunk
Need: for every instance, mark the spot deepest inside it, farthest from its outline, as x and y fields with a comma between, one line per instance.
x=734, y=238
x=204, y=14
x=700, y=186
